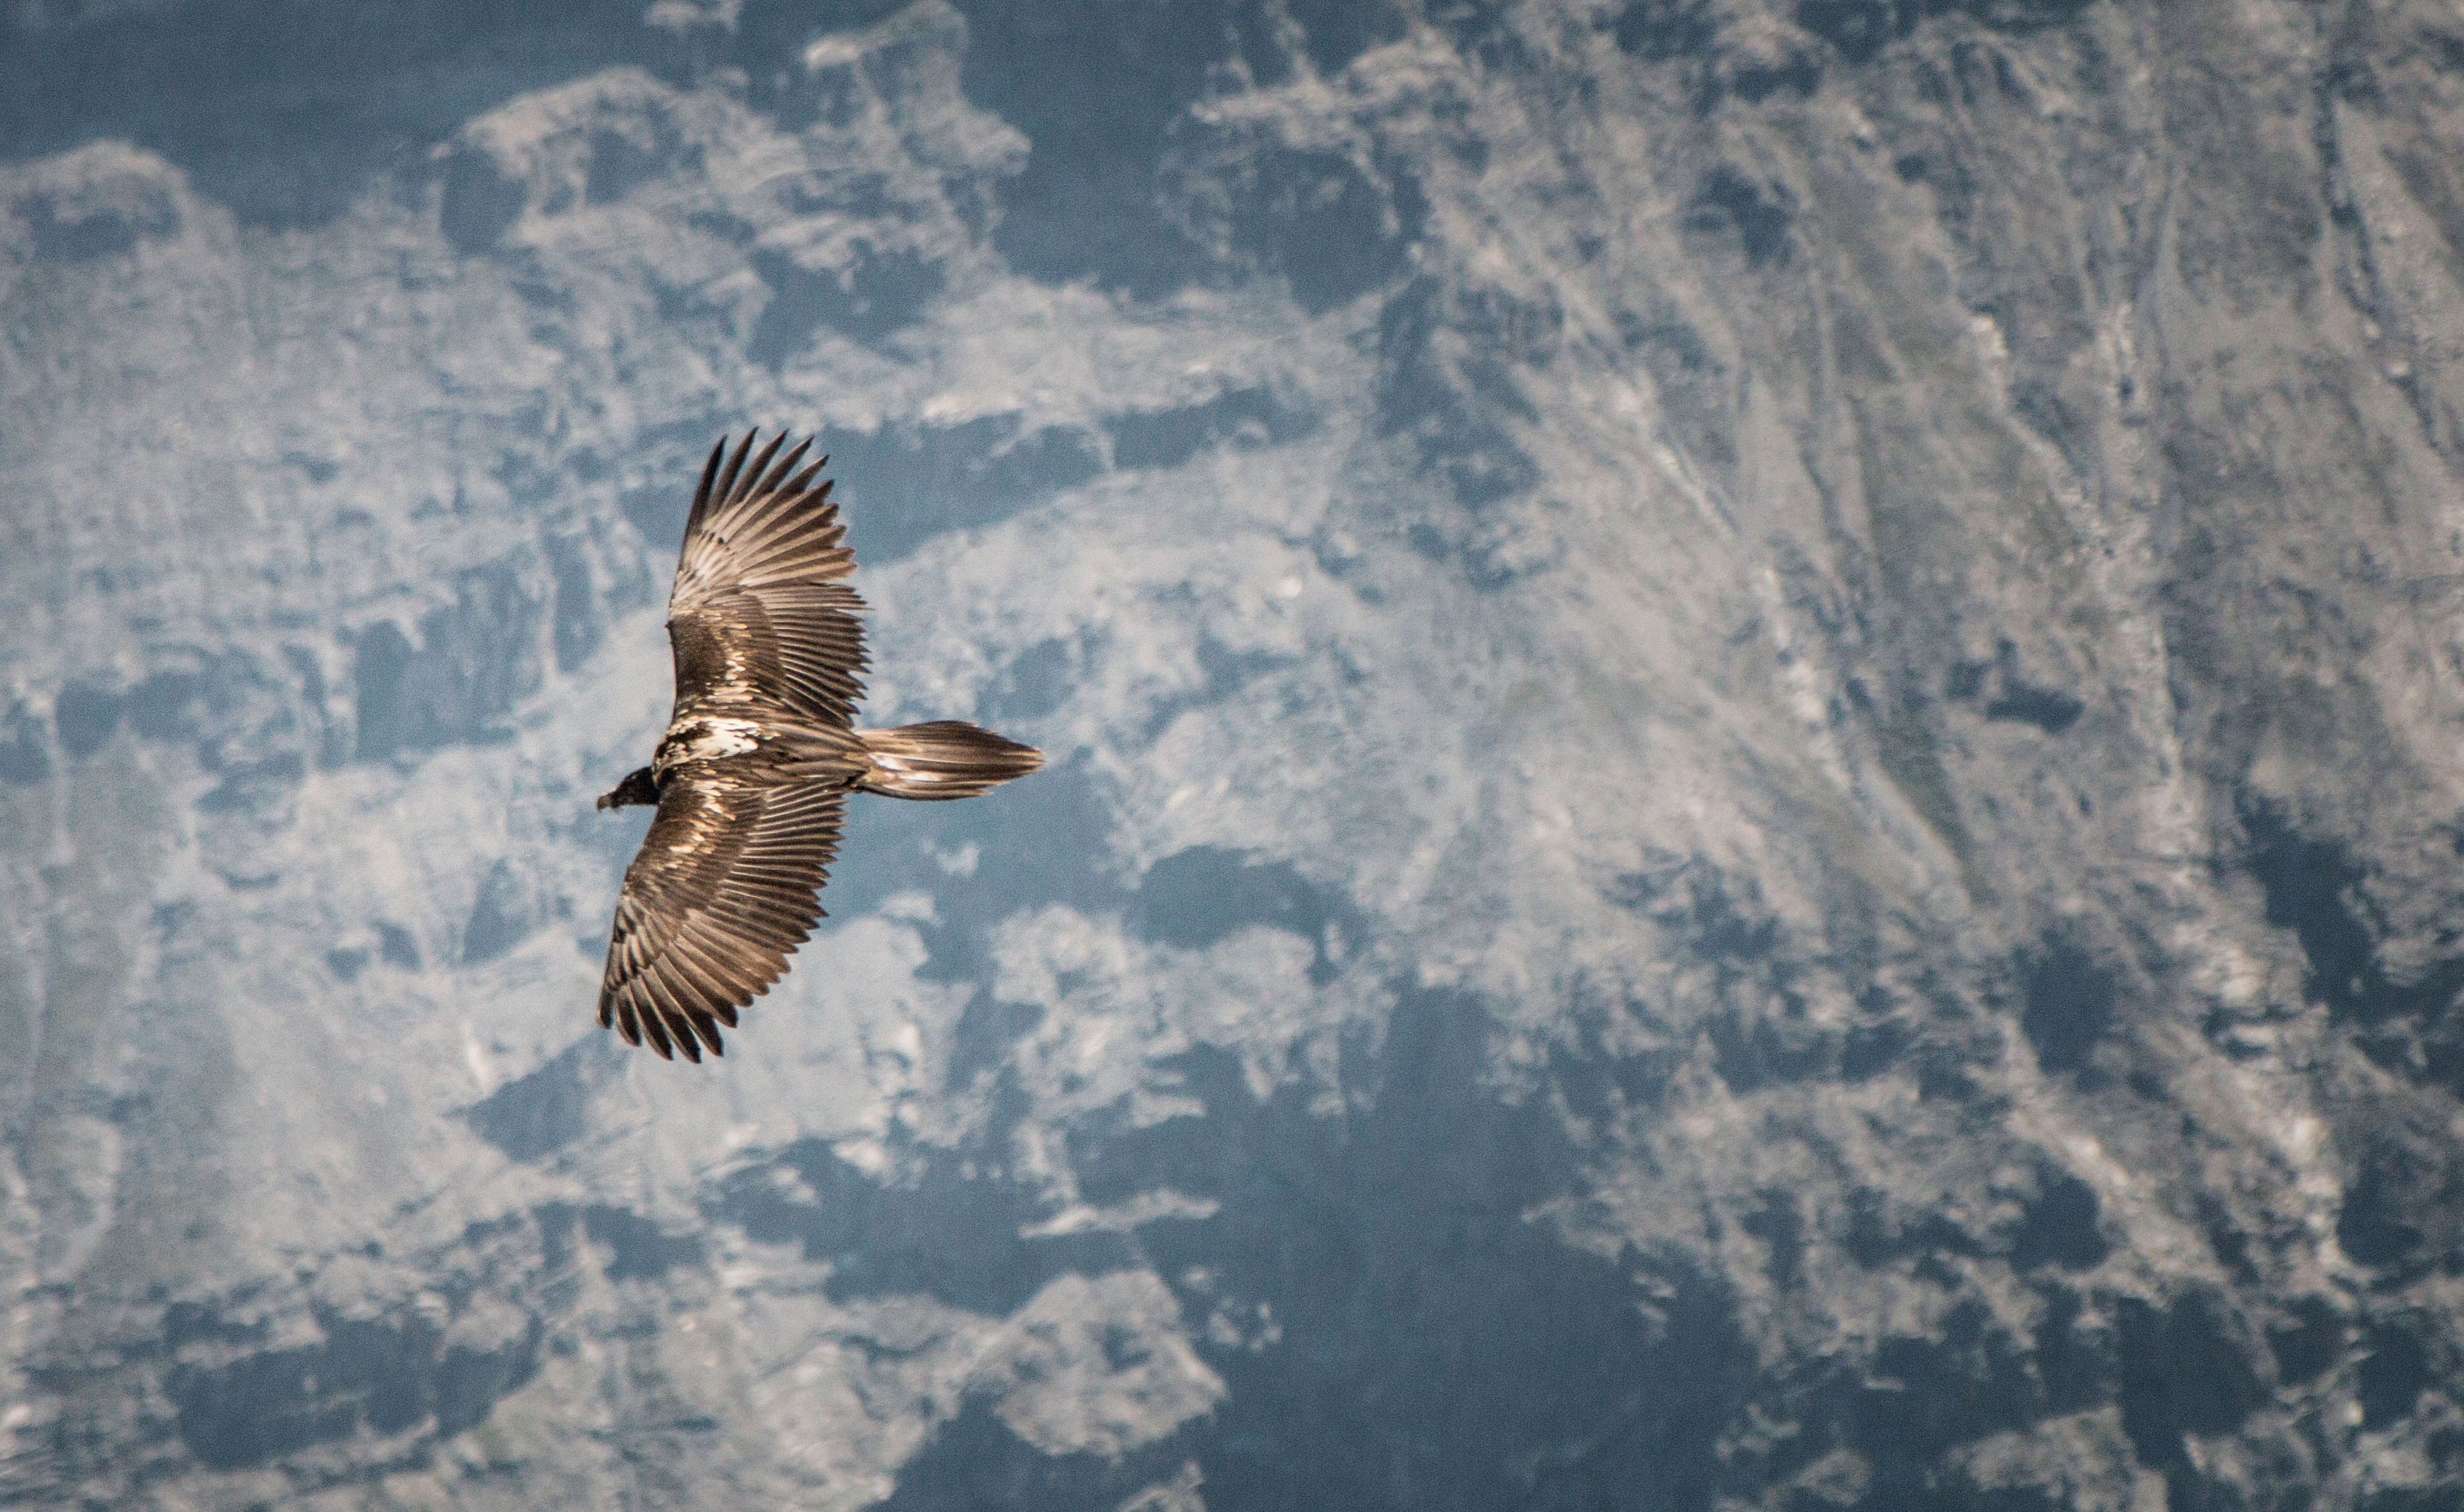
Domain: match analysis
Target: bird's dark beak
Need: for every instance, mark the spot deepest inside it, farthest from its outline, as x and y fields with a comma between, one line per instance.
x=638, y=787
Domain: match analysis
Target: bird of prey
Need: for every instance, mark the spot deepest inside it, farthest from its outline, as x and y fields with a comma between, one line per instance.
x=754, y=770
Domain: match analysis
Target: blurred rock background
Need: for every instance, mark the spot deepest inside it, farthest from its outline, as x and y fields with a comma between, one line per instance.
x=1753, y=711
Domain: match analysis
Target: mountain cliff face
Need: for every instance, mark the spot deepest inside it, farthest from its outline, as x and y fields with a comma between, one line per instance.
x=1753, y=711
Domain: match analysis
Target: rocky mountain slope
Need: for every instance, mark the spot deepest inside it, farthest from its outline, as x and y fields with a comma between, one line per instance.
x=1754, y=712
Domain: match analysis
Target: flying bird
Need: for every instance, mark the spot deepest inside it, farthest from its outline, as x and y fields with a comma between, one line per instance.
x=752, y=779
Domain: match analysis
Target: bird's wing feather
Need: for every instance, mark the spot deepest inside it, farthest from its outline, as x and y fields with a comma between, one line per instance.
x=720, y=894
x=759, y=619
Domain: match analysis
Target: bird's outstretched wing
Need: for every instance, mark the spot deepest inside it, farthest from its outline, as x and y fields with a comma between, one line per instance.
x=720, y=894
x=759, y=619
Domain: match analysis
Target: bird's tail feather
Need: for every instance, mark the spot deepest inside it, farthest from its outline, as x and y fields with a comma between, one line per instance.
x=946, y=758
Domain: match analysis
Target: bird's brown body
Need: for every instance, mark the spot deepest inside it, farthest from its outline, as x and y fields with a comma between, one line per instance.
x=752, y=777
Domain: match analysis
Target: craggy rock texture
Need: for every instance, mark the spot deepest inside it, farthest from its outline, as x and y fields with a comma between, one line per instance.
x=1755, y=709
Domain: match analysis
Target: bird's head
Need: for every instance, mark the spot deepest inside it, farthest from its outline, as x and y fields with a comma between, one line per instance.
x=639, y=787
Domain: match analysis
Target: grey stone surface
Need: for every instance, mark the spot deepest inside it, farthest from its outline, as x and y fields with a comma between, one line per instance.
x=1754, y=712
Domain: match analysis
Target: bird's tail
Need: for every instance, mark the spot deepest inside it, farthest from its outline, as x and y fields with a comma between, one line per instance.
x=946, y=758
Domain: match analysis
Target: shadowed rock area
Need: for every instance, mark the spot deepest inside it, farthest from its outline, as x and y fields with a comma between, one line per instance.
x=1753, y=710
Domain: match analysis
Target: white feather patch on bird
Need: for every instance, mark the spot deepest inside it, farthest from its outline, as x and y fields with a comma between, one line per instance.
x=706, y=739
